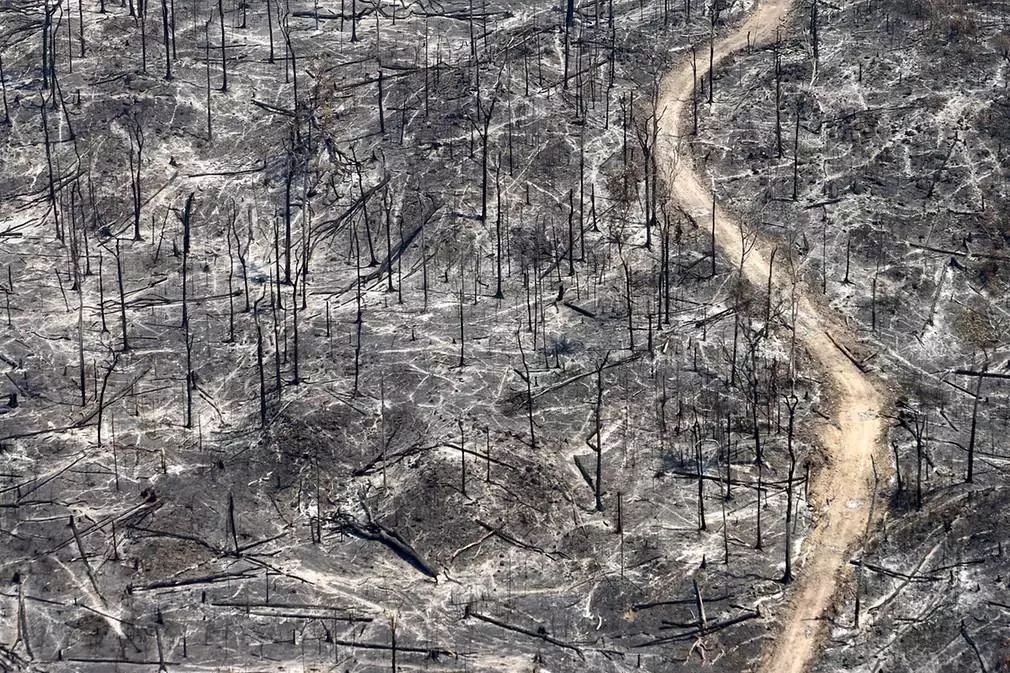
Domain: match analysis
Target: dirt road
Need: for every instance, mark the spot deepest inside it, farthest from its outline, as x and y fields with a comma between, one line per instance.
x=842, y=490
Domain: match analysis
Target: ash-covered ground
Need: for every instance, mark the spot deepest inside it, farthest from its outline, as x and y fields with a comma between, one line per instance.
x=361, y=337
x=870, y=141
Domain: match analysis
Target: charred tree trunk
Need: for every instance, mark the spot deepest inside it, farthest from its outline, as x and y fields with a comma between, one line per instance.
x=187, y=334
x=136, y=158
x=288, y=179
x=791, y=403
x=529, y=389
x=694, y=90
x=970, y=477
x=165, y=33
x=597, y=418
x=3, y=90
x=224, y=47
x=296, y=377
x=382, y=115
x=499, y=294
x=700, y=467
x=260, y=368
x=206, y=56
x=270, y=31
x=122, y=298
x=796, y=154
x=778, y=98
x=462, y=336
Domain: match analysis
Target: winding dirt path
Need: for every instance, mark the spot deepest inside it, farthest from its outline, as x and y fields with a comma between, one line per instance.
x=843, y=489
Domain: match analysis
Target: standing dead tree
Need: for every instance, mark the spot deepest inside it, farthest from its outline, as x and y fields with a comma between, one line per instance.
x=117, y=254
x=259, y=366
x=776, y=55
x=916, y=423
x=791, y=403
x=3, y=91
x=485, y=112
x=979, y=375
x=598, y=433
x=647, y=133
x=527, y=379
x=136, y=133
x=796, y=152
x=100, y=411
x=224, y=47
x=186, y=217
x=165, y=29
x=206, y=56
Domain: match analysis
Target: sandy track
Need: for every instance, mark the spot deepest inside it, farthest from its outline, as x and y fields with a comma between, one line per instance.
x=842, y=490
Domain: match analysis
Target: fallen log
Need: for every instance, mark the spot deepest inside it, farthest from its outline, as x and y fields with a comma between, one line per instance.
x=678, y=601
x=191, y=581
x=376, y=532
x=501, y=534
x=261, y=605
x=960, y=253
x=430, y=652
x=881, y=570
x=702, y=631
x=579, y=309
x=122, y=662
x=273, y=108
x=848, y=354
x=982, y=374
x=540, y=633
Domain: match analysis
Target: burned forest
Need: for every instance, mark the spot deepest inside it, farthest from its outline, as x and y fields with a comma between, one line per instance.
x=504, y=336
